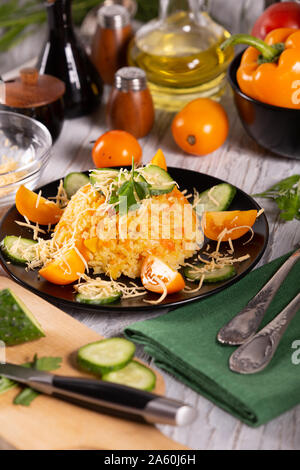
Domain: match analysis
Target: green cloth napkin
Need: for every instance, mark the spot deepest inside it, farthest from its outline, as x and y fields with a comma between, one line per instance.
x=183, y=342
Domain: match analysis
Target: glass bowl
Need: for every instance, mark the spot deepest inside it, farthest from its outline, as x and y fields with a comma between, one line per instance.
x=25, y=146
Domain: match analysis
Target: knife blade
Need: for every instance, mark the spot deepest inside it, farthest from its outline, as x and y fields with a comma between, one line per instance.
x=116, y=399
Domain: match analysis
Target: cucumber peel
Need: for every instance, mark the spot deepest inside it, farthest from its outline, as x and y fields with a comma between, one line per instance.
x=17, y=323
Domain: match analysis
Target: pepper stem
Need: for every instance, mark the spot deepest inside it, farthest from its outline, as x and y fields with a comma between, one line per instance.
x=269, y=53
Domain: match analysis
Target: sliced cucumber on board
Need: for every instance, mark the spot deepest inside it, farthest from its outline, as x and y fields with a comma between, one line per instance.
x=74, y=181
x=216, y=275
x=84, y=299
x=17, y=249
x=159, y=180
x=133, y=374
x=106, y=355
x=222, y=193
x=17, y=323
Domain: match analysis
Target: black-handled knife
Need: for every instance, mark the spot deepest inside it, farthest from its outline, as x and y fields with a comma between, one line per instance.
x=103, y=396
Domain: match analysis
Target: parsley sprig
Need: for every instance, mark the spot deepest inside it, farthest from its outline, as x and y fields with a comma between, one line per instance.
x=286, y=194
x=27, y=395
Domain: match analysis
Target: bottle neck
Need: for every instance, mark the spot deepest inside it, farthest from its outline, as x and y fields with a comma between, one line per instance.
x=59, y=14
x=171, y=7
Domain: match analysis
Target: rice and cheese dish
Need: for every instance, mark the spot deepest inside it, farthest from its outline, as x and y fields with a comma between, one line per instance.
x=117, y=244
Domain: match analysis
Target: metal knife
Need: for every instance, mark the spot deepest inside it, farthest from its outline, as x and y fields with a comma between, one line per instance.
x=120, y=400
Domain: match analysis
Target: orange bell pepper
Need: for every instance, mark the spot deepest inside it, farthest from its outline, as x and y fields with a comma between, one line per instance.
x=40, y=211
x=65, y=269
x=236, y=222
x=154, y=272
x=270, y=70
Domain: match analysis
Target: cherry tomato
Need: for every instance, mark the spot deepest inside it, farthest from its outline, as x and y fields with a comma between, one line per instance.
x=159, y=160
x=40, y=211
x=236, y=221
x=279, y=15
x=116, y=148
x=154, y=268
x=65, y=269
x=200, y=127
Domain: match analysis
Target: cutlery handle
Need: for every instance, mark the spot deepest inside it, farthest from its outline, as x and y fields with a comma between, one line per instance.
x=123, y=401
x=245, y=324
x=254, y=355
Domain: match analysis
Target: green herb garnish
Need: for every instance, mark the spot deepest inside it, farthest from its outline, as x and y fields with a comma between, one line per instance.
x=27, y=395
x=286, y=194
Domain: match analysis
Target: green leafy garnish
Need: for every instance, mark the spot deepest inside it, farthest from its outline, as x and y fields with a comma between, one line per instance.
x=6, y=384
x=286, y=194
x=26, y=396
x=130, y=193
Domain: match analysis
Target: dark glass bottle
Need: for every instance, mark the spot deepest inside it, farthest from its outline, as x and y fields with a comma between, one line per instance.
x=64, y=57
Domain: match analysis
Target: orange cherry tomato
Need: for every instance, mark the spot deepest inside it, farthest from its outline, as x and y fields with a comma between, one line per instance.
x=200, y=127
x=65, y=269
x=154, y=268
x=116, y=148
x=40, y=211
x=238, y=222
x=159, y=160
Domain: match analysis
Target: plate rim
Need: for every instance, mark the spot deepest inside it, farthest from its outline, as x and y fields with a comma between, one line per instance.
x=147, y=307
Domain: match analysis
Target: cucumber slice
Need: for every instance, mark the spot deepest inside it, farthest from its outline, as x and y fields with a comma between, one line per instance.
x=159, y=180
x=84, y=299
x=74, y=181
x=216, y=275
x=98, y=176
x=133, y=375
x=106, y=355
x=17, y=324
x=19, y=250
x=222, y=193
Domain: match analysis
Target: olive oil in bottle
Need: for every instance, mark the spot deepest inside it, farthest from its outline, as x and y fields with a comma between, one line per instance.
x=181, y=56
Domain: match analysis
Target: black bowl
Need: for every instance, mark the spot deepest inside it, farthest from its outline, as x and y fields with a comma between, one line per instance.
x=274, y=128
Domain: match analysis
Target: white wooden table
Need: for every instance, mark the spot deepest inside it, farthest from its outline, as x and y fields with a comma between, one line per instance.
x=241, y=162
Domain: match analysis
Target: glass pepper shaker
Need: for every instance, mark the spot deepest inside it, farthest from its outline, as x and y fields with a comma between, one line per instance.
x=110, y=42
x=130, y=107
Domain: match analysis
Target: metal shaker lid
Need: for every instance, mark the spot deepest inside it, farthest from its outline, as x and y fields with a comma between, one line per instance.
x=130, y=78
x=113, y=16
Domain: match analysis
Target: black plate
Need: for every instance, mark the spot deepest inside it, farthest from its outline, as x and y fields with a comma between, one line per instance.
x=64, y=295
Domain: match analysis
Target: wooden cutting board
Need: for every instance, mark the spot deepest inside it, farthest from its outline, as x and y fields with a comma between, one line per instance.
x=49, y=423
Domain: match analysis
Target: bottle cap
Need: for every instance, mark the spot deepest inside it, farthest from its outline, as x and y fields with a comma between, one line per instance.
x=130, y=78
x=113, y=16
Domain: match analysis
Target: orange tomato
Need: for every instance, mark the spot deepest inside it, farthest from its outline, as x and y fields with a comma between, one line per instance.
x=238, y=222
x=159, y=160
x=65, y=269
x=200, y=127
x=154, y=268
x=43, y=212
x=116, y=148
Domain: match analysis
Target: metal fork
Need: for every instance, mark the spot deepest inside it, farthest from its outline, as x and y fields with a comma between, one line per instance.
x=254, y=355
x=245, y=324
